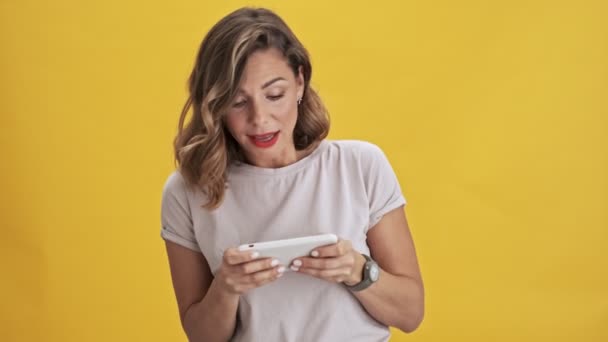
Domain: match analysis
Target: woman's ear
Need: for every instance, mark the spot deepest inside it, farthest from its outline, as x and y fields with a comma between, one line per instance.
x=300, y=82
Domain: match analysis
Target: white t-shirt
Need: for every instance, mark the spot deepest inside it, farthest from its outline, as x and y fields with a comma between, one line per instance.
x=343, y=187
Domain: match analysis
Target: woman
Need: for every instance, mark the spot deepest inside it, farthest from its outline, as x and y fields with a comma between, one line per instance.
x=254, y=165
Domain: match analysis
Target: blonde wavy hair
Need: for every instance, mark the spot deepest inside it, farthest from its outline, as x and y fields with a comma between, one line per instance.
x=203, y=146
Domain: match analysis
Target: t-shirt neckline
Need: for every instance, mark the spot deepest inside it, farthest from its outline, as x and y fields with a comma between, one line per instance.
x=244, y=168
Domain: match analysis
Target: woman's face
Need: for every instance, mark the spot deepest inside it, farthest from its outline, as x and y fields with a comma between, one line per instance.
x=262, y=116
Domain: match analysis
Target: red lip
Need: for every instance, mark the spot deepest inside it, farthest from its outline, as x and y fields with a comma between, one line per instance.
x=264, y=144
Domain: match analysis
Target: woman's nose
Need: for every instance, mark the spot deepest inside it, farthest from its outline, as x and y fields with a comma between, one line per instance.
x=258, y=114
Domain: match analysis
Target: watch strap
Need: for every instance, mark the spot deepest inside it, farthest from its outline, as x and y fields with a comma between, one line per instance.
x=366, y=281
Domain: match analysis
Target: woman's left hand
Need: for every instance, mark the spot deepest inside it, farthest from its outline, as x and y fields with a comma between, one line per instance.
x=338, y=263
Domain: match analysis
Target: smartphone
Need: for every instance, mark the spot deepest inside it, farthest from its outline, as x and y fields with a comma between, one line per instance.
x=289, y=249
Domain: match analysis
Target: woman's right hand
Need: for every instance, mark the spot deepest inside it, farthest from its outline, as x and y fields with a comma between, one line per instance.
x=242, y=271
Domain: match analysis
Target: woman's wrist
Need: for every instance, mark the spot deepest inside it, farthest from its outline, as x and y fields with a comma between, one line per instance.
x=221, y=292
x=356, y=275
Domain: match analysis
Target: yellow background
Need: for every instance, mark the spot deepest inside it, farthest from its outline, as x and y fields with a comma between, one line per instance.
x=494, y=115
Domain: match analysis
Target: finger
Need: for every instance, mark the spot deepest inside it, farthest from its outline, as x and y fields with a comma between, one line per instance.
x=232, y=256
x=260, y=278
x=337, y=249
x=324, y=263
x=336, y=274
x=256, y=265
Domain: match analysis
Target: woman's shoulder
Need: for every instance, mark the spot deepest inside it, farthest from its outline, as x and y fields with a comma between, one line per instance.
x=361, y=155
x=176, y=183
x=174, y=180
x=359, y=149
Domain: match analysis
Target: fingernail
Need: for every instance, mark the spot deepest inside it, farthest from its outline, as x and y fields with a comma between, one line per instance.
x=274, y=262
x=281, y=269
x=314, y=253
x=297, y=263
x=293, y=268
x=254, y=255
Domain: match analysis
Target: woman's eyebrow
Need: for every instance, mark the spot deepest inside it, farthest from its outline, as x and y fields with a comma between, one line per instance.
x=267, y=84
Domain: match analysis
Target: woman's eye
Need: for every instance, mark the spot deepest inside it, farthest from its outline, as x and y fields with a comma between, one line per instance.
x=275, y=97
x=238, y=104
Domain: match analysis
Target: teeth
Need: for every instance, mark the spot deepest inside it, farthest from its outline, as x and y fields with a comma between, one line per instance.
x=265, y=138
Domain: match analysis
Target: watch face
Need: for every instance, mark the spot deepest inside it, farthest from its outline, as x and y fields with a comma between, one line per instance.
x=374, y=273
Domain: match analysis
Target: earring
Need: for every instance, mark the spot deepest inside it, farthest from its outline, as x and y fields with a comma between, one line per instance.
x=299, y=101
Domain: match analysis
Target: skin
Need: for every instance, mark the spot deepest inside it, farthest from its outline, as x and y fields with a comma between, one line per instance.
x=208, y=304
x=267, y=102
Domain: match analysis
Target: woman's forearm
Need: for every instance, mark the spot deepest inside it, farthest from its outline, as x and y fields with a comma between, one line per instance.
x=396, y=301
x=213, y=318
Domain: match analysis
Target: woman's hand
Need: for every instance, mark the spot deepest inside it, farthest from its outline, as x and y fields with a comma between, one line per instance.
x=338, y=263
x=241, y=271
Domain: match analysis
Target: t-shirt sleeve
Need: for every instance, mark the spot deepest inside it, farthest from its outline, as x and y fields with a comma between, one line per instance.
x=383, y=189
x=176, y=219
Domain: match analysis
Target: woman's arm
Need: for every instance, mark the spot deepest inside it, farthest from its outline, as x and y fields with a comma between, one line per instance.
x=206, y=313
x=397, y=298
x=207, y=304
